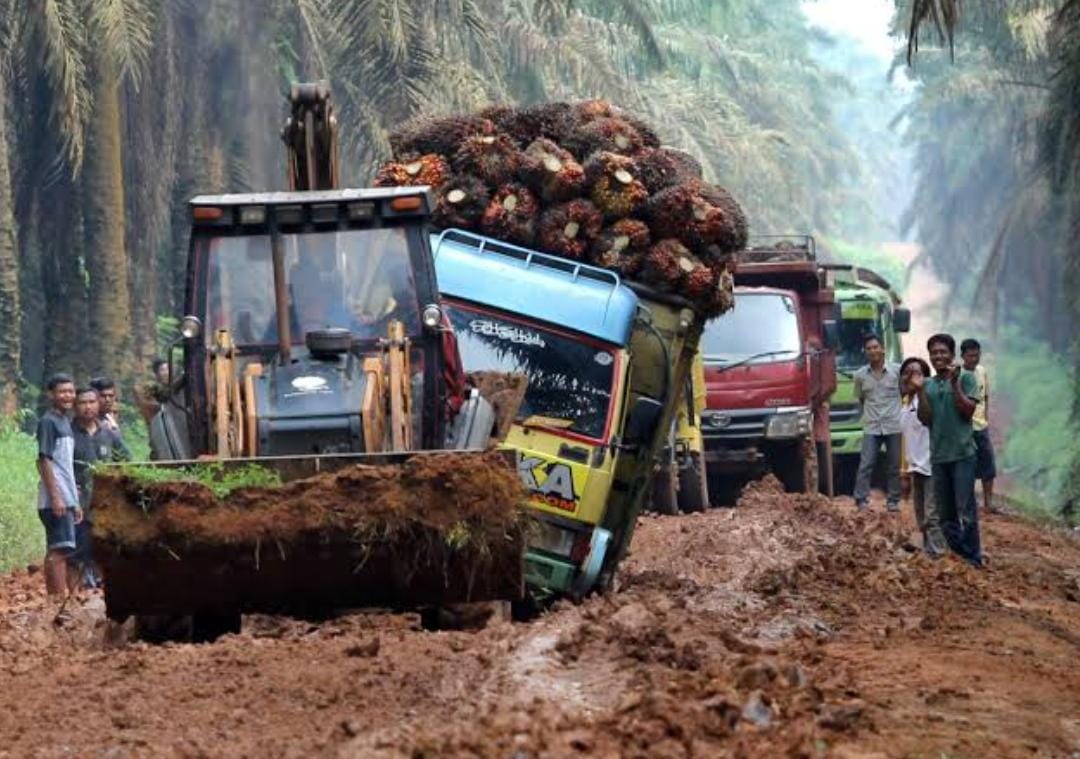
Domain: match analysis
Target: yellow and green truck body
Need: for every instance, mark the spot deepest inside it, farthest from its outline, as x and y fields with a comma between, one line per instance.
x=604, y=361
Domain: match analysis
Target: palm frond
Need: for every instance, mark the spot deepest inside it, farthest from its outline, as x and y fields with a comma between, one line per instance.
x=62, y=34
x=125, y=28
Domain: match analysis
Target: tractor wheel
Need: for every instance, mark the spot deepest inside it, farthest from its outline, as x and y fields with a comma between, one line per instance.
x=693, y=487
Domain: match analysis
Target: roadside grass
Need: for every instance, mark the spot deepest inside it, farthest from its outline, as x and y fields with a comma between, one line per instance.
x=22, y=539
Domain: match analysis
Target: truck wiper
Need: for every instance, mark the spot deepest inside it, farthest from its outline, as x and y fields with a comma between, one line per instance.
x=754, y=357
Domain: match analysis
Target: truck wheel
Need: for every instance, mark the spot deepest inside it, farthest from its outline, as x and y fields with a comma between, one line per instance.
x=665, y=497
x=796, y=466
x=826, y=485
x=845, y=469
x=693, y=487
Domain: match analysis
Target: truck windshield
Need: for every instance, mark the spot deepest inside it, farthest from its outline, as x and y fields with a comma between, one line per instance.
x=569, y=381
x=857, y=319
x=762, y=325
x=359, y=279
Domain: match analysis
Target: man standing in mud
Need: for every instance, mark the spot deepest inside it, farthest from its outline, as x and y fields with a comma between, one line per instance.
x=946, y=405
x=94, y=442
x=58, y=496
x=109, y=413
x=985, y=466
x=877, y=389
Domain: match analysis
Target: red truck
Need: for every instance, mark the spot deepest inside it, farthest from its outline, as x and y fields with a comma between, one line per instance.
x=770, y=370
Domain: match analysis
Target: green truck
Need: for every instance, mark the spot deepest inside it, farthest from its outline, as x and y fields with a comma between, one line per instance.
x=866, y=302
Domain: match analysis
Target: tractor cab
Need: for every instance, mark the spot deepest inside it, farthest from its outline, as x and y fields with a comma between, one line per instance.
x=292, y=295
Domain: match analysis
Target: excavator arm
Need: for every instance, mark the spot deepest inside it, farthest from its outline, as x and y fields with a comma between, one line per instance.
x=310, y=136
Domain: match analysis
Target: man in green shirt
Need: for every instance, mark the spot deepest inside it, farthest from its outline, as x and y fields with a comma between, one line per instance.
x=946, y=404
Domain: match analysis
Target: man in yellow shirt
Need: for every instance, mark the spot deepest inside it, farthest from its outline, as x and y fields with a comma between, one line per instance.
x=985, y=466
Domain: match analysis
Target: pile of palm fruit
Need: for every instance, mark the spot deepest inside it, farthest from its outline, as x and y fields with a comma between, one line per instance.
x=585, y=181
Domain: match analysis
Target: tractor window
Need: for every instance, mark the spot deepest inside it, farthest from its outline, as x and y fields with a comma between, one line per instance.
x=569, y=381
x=360, y=280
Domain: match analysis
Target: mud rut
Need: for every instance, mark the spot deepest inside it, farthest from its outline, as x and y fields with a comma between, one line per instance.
x=788, y=626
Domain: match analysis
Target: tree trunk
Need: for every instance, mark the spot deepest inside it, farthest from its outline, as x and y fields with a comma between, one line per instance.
x=10, y=347
x=106, y=257
x=64, y=284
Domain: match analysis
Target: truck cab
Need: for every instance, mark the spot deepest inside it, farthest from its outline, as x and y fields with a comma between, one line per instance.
x=769, y=374
x=866, y=303
x=603, y=362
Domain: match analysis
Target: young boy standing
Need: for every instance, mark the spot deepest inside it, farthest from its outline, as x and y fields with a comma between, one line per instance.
x=985, y=465
x=917, y=457
x=58, y=496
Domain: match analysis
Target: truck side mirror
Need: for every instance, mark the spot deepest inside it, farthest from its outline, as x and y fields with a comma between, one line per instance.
x=642, y=421
x=830, y=330
x=901, y=320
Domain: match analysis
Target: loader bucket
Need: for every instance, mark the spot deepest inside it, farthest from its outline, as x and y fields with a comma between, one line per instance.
x=310, y=534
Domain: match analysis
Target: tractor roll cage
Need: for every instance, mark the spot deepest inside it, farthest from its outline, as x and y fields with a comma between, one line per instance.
x=278, y=213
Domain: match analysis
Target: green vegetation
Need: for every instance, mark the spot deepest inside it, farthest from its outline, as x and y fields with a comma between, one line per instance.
x=1042, y=437
x=997, y=168
x=22, y=539
x=219, y=479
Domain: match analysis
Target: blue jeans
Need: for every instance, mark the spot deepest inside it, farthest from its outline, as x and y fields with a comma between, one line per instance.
x=954, y=489
x=871, y=446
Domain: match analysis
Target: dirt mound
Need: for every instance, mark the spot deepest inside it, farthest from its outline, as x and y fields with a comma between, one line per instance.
x=864, y=648
x=438, y=528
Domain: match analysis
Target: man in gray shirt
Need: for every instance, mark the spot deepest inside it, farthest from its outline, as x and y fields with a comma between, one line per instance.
x=877, y=389
x=58, y=497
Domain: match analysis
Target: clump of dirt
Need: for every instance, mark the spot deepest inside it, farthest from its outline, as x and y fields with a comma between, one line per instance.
x=471, y=494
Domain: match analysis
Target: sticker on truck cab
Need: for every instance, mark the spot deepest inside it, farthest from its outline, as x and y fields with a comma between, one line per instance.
x=550, y=483
x=858, y=309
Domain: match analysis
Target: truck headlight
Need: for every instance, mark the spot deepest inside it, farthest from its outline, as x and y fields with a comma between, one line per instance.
x=788, y=423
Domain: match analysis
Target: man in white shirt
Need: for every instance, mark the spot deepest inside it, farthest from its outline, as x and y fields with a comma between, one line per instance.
x=917, y=458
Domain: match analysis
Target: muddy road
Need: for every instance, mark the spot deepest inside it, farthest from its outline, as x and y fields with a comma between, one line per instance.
x=788, y=626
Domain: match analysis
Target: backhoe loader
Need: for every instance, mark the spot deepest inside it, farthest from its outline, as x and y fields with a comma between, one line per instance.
x=316, y=354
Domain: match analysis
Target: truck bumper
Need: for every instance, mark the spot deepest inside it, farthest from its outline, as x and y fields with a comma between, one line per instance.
x=733, y=459
x=547, y=575
x=846, y=442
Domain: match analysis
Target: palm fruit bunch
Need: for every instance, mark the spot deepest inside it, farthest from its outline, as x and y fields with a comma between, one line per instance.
x=700, y=215
x=587, y=181
x=460, y=202
x=493, y=158
x=552, y=172
x=430, y=169
x=613, y=183
x=428, y=134
x=661, y=168
x=511, y=214
x=621, y=245
x=568, y=229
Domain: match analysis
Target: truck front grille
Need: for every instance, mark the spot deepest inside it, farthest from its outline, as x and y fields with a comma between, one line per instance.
x=734, y=423
x=846, y=413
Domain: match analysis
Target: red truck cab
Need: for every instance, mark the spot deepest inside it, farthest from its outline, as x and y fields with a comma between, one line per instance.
x=769, y=373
